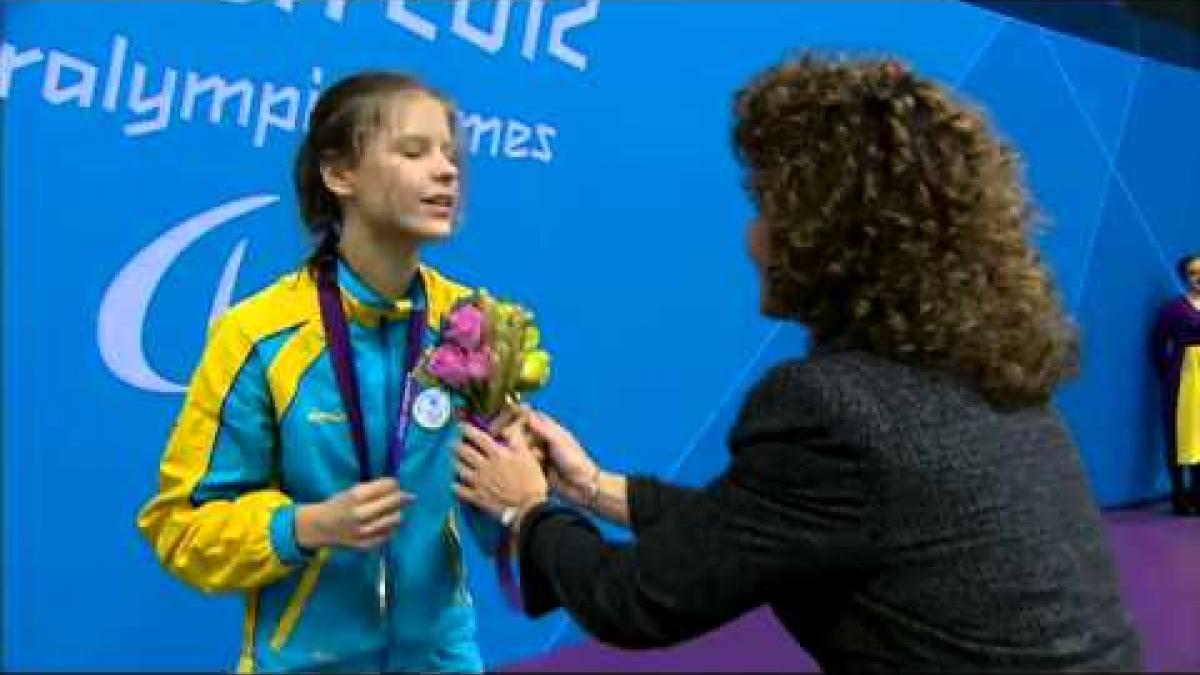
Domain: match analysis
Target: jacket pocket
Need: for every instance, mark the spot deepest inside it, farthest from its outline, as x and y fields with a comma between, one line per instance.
x=295, y=606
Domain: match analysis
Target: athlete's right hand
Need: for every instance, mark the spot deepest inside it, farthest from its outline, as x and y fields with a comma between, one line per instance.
x=361, y=517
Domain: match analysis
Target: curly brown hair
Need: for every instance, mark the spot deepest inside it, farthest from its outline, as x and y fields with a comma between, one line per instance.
x=898, y=220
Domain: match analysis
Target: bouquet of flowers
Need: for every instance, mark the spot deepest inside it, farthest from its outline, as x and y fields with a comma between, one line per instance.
x=489, y=353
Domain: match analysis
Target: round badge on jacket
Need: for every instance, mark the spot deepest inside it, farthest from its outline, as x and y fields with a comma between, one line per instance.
x=432, y=408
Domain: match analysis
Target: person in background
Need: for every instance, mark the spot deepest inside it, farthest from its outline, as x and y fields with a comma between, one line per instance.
x=1175, y=350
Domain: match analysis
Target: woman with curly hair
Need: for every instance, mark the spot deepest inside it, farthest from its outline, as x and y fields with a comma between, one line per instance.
x=905, y=497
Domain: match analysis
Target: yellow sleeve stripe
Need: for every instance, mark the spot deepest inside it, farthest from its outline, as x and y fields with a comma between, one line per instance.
x=289, y=302
x=296, y=356
x=291, y=614
x=246, y=659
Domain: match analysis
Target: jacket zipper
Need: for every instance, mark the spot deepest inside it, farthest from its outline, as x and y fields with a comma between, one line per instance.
x=384, y=582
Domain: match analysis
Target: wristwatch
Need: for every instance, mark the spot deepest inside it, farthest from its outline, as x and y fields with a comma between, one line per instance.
x=508, y=516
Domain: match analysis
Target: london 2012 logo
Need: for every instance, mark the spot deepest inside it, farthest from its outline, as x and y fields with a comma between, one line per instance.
x=120, y=326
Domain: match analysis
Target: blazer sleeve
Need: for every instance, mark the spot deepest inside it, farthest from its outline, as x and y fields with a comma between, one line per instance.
x=650, y=499
x=789, y=509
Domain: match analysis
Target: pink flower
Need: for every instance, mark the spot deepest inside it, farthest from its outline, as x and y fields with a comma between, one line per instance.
x=479, y=365
x=449, y=363
x=464, y=327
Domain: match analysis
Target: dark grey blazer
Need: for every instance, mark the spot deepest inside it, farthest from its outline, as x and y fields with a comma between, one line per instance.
x=890, y=516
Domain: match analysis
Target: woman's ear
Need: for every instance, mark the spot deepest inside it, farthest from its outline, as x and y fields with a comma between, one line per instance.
x=339, y=177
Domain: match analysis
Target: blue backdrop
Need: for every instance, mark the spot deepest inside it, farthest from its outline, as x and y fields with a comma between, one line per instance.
x=147, y=148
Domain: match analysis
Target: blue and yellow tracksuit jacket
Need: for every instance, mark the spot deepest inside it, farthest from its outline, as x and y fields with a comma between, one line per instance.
x=262, y=430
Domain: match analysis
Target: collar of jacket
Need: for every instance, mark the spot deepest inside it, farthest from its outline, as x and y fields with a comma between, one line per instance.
x=440, y=295
x=366, y=306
